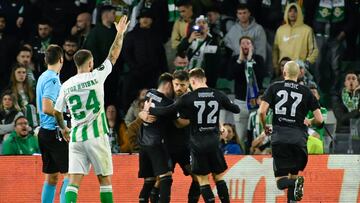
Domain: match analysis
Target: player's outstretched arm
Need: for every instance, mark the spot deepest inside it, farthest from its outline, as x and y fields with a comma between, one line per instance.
x=161, y=110
x=118, y=42
x=229, y=105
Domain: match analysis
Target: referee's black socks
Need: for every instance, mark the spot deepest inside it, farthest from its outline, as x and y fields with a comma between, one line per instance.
x=284, y=183
x=194, y=192
x=146, y=190
x=207, y=194
x=222, y=191
x=165, y=189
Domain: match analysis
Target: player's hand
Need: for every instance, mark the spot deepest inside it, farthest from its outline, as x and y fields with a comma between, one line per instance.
x=267, y=130
x=122, y=25
x=66, y=134
x=146, y=117
x=307, y=122
x=147, y=105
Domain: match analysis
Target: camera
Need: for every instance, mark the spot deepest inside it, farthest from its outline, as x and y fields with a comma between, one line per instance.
x=196, y=28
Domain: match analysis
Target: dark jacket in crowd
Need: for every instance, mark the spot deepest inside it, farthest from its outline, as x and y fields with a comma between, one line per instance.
x=144, y=53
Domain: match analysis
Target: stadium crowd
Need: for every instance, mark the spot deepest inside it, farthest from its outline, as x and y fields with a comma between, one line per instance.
x=241, y=44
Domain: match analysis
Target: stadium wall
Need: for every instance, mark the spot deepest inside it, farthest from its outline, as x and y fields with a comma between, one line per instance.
x=328, y=179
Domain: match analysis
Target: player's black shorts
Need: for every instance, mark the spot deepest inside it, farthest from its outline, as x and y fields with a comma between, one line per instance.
x=212, y=161
x=181, y=157
x=288, y=158
x=54, y=151
x=153, y=161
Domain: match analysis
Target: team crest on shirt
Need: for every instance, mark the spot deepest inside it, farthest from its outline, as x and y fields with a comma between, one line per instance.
x=54, y=81
x=101, y=67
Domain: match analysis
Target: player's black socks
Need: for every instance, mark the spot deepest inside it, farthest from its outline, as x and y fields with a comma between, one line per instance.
x=145, y=191
x=222, y=191
x=284, y=183
x=207, y=194
x=165, y=189
x=194, y=192
x=290, y=195
x=154, y=196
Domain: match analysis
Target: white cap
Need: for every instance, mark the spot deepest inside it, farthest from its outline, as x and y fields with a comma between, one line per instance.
x=201, y=17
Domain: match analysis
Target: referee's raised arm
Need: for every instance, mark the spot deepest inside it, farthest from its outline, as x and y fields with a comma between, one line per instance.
x=118, y=41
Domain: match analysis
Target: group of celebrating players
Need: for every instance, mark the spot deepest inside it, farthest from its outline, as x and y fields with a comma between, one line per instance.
x=182, y=129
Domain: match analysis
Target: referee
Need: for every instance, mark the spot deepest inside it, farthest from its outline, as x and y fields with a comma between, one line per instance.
x=53, y=148
x=290, y=102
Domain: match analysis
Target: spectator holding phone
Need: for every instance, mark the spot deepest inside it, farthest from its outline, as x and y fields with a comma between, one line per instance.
x=201, y=50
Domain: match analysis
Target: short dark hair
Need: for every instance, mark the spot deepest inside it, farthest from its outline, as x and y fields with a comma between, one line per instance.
x=81, y=56
x=24, y=48
x=20, y=117
x=164, y=78
x=197, y=73
x=44, y=22
x=106, y=7
x=242, y=7
x=246, y=37
x=53, y=54
x=72, y=39
x=183, y=3
x=353, y=72
x=181, y=75
x=2, y=15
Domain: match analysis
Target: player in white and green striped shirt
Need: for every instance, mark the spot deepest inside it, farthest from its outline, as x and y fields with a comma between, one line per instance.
x=84, y=96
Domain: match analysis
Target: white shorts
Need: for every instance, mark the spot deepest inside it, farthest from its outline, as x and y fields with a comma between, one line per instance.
x=95, y=152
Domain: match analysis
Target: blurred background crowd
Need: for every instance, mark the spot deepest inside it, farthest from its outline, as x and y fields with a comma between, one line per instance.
x=241, y=44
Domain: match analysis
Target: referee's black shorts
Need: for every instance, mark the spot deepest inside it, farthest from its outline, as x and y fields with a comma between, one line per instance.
x=54, y=151
x=181, y=157
x=153, y=161
x=211, y=161
x=288, y=159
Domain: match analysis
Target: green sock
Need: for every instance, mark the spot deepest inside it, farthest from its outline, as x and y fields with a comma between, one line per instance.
x=71, y=193
x=106, y=195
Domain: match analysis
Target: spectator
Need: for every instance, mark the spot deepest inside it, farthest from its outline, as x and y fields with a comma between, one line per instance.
x=246, y=26
x=135, y=107
x=230, y=140
x=257, y=141
x=305, y=77
x=102, y=35
x=99, y=41
x=181, y=25
x=20, y=86
x=347, y=104
x=61, y=14
x=9, y=111
x=294, y=39
x=24, y=56
x=68, y=69
x=82, y=28
x=315, y=143
x=20, y=141
x=118, y=139
x=282, y=63
x=144, y=53
x=333, y=22
x=202, y=50
x=8, y=45
x=40, y=42
x=16, y=13
x=248, y=71
x=133, y=132
x=219, y=24
x=159, y=10
x=24, y=93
